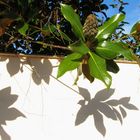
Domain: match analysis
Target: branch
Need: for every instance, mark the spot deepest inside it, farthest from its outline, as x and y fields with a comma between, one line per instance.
x=45, y=45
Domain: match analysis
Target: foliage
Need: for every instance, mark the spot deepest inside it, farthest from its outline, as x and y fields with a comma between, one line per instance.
x=103, y=51
x=101, y=105
x=26, y=23
x=35, y=27
x=56, y=28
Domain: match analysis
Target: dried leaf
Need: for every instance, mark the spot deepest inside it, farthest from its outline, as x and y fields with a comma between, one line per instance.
x=86, y=72
x=2, y=31
x=4, y=22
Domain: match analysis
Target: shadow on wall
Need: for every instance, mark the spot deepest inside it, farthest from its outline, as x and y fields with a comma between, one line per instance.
x=100, y=106
x=7, y=113
x=96, y=107
x=41, y=68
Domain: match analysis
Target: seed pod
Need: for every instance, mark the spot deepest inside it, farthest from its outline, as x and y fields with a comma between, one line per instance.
x=90, y=27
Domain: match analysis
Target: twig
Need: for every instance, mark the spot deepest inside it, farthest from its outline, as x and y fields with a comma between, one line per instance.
x=51, y=45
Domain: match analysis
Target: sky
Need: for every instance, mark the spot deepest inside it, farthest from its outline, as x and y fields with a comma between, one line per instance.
x=132, y=12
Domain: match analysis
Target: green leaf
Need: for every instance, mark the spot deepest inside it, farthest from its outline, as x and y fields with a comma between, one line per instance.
x=98, y=70
x=112, y=66
x=68, y=64
x=106, y=52
x=49, y=28
x=64, y=36
x=23, y=29
x=79, y=47
x=70, y=15
x=30, y=1
x=135, y=27
x=110, y=49
x=109, y=26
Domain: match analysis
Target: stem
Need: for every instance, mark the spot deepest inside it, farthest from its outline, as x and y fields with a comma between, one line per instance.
x=45, y=45
x=64, y=84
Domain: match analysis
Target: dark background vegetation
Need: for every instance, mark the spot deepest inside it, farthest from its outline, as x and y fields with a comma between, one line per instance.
x=46, y=24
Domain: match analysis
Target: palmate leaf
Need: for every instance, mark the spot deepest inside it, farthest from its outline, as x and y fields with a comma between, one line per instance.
x=70, y=15
x=98, y=70
x=69, y=63
x=109, y=26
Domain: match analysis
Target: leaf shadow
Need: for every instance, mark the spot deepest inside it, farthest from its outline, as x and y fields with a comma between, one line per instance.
x=100, y=106
x=42, y=69
x=7, y=113
x=13, y=66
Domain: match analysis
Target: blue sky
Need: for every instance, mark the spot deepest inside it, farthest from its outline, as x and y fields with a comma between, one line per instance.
x=132, y=12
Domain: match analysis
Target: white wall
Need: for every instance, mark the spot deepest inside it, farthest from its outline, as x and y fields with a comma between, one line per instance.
x=36, y=106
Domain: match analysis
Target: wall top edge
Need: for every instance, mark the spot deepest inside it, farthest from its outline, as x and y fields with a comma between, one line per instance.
x=52, y=57
x=30, y=56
